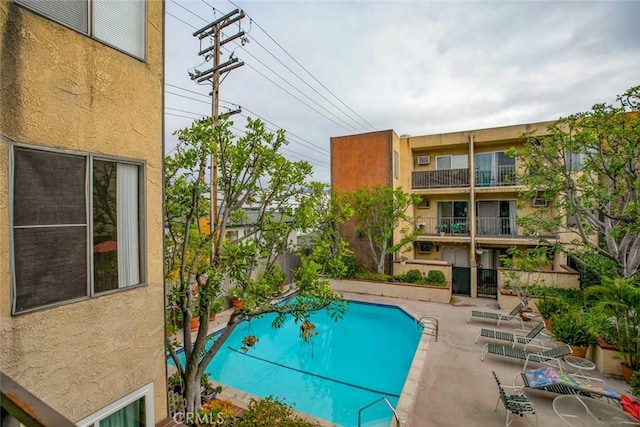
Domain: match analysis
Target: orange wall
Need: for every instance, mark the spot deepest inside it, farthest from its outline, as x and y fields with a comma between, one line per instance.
x=356, y=161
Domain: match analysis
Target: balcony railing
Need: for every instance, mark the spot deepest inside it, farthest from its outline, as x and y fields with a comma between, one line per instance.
x=443, y=225
x=448, y=178
x=496, y=226
x=500, y=176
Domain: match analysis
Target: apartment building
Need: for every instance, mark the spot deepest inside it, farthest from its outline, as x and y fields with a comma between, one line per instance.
x=81, y=160
x=468, y=186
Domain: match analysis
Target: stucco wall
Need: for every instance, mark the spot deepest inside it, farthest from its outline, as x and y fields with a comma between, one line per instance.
x=59, y=88
x=396, y=290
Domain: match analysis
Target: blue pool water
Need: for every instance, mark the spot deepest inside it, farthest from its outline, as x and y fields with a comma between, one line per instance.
x=351, y=363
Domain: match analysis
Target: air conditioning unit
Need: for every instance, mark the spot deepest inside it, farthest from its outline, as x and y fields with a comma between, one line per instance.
x=424, y=160
x=425, y=247
x=537, y=202
x=424, y=204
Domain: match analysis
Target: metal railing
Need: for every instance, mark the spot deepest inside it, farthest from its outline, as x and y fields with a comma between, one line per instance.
x=496, y=226
x=499, y=176
x=447, y=178
x=398, y=418
x=430, y=326
x=19, y=405
x=442, y=225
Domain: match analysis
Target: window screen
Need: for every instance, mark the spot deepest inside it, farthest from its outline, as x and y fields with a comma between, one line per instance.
x=50, y=230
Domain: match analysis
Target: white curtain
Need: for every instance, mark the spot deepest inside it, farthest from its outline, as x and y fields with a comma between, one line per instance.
x=513, y=211
x=121, y=24
x=128, y=227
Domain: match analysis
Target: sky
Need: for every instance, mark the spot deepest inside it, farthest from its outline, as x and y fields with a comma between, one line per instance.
x=320, y=69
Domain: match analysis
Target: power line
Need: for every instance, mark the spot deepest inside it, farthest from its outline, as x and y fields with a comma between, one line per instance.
x=301, y=66
x=350, y=129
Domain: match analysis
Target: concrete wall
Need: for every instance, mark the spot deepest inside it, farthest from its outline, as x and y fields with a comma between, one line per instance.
x=396, y=290
x=59, y=88
x=564, y=279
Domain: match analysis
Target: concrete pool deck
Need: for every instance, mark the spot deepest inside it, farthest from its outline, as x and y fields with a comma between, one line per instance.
x=448, y=384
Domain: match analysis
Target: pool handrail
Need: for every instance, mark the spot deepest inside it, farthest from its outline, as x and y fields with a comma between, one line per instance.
x=430, y=325
x=398, y=418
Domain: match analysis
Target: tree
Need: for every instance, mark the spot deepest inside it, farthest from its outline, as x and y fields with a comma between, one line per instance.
x=379, y=211
x=201, y=264
x=588, y=167
x=329, y=248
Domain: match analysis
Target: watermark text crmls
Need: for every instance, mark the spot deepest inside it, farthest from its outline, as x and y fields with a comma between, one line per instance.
x=195, y=417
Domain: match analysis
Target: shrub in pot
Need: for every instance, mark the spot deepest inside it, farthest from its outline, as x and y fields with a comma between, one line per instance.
x=619, y=300
x=573, y=327
x=549, y=307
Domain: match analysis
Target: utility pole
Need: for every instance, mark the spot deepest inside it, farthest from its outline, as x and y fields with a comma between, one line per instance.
x=214, y=29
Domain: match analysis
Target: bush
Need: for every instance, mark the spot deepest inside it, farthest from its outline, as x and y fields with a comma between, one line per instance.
x=435, y=278
x=413, y=276
x=176, y=382
x=271, y=412
x=573, y=328
x=551, y=306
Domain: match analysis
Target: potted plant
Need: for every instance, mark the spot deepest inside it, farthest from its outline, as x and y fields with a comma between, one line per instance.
x=635, y=384
x=549, y=307
x=573, y=327
x=442, y=228
x=457, y=227
x=216, y=413
x=236, y=297
x=619, y=299
x=207, y=390
x=175, y=383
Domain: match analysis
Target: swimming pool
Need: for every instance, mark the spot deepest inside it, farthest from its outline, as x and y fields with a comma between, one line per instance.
x=351, y=363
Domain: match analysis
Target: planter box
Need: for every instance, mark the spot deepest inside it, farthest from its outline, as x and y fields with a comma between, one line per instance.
x=397, y=290
x=605, y=357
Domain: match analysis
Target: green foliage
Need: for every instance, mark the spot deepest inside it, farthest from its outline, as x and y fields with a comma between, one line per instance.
x=587, y=167
x=635, y=383
x=573, y=328
x=525, y=269
x=413, y=276
x=251, y=171
x=436, y=278
x=175, y=382
x=271, y=412
x=551, y=306
x=379, y=212
x=619, y=301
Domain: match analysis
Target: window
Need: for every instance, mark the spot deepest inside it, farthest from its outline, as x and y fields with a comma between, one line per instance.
x=494, y=168
x=573, y=161
x=134, y=410
x=64, y=204
x=452, y=162
x=120, y=24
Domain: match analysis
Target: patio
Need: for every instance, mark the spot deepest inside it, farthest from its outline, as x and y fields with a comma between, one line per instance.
x=455, y=388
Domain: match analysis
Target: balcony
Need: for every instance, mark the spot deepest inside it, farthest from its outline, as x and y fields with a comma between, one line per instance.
x=451, y=226
x=448, y=178
x=501, y=176
x=496, y=226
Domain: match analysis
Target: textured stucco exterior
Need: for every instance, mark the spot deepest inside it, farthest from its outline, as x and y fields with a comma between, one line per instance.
x=61, y=89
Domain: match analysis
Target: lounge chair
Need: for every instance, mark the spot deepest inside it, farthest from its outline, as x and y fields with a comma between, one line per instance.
x=519, y=336
x=498, y=316
x=553, y=380
x=549, y=355
x=516, y=404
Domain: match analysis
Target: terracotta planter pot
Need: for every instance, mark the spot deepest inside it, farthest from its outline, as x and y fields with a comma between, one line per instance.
x=237, y=303
x=627, y=373
x=579, y=351
x=547, y=324
x=525, y=310
x=195, y=323
x=212, y=317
